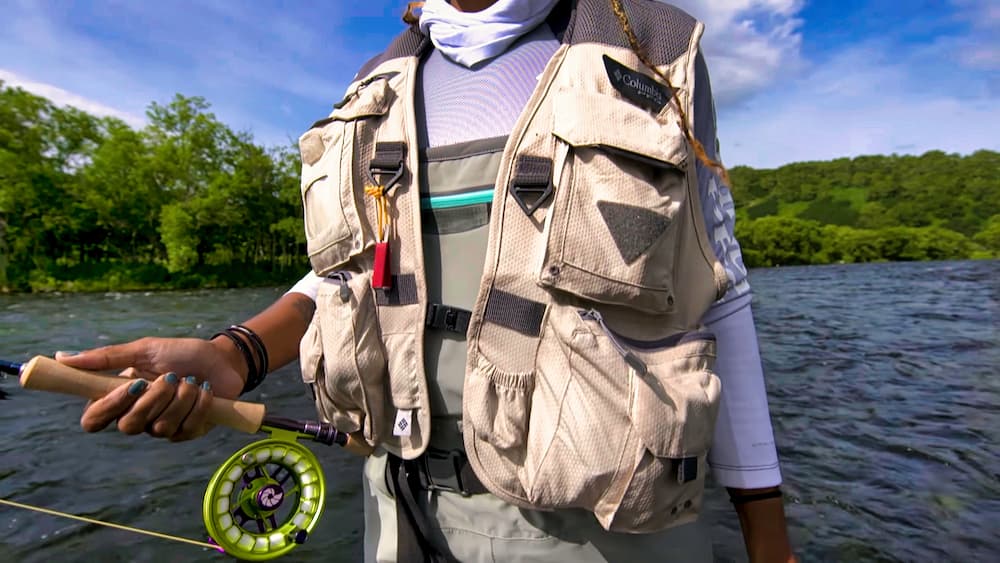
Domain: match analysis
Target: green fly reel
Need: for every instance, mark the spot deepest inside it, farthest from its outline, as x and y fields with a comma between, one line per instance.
x=266, y=498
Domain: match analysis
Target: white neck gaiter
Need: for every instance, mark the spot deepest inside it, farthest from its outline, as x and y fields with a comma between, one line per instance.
x=472, y=37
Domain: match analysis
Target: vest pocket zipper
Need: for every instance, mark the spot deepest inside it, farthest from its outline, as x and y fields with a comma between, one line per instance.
x=630, y=358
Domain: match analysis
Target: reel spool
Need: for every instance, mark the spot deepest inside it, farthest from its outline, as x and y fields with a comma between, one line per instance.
x=266, y=498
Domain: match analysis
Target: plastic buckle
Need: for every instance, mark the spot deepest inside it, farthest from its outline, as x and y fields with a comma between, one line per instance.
x=538, y=195
x=451, y=320
x=455, y=457
x=444, y=317
x=388, y=186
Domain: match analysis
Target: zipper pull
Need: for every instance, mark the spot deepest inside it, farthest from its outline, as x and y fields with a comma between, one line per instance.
x=345, y=290
x=630, y=358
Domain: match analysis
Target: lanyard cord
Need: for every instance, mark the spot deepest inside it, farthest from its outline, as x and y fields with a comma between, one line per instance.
x=381, y=210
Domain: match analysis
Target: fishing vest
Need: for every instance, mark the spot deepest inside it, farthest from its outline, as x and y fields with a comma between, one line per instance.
x=587, y=382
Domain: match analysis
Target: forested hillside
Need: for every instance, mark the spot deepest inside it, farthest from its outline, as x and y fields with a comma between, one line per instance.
x=89, y=203
x=934, y=206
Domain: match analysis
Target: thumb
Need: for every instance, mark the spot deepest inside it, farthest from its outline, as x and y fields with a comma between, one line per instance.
x=114, y=357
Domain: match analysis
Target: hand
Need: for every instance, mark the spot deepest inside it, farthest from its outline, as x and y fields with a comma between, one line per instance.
x=175, y=404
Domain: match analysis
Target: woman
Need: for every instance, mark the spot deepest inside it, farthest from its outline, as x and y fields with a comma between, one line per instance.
x=472, y=140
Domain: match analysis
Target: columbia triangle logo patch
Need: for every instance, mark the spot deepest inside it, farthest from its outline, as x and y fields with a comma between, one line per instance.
x=636, y=87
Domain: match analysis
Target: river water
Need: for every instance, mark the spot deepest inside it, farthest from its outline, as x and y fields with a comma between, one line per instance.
x=883, y=384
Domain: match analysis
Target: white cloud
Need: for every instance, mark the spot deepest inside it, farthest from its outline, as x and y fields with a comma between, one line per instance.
x=981, y=49
x=748, y=44
x=61, y=97
x=858, y=103
x=775, y=107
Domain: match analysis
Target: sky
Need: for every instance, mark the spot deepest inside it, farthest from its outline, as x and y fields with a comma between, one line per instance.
x=794, y=80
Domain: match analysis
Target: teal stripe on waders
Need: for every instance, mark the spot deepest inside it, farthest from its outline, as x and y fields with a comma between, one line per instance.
x=456, y=200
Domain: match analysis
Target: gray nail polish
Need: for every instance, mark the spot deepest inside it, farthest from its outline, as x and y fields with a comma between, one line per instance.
x=171, y=378
x=190, y=380
x=137, y=387
x=206, y=386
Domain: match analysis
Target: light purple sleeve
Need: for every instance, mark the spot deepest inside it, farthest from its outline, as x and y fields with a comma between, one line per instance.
x=743, y=452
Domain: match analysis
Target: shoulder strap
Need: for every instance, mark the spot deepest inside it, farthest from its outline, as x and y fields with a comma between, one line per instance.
x=409, y=43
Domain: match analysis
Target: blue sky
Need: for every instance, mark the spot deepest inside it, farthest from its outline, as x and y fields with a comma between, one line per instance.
x=794, y=80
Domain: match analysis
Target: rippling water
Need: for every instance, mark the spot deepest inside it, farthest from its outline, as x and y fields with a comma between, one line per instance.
x=883, y=386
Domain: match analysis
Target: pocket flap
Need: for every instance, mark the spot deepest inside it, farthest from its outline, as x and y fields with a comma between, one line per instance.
x=370, y=99
x=584, y=119
x=675, y=404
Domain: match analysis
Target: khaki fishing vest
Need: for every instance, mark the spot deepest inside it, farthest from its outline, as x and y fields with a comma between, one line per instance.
x=588, y=383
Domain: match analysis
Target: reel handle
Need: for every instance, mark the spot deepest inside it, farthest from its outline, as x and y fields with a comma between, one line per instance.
x=46, y=374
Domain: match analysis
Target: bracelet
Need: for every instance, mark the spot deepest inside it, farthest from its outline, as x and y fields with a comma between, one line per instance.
x=255, y=377
x=743, y=499
x=247, y=356
x=258, y=345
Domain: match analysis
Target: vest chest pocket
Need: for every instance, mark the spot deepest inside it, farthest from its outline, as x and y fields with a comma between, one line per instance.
x=333, y=224
x=620, y=193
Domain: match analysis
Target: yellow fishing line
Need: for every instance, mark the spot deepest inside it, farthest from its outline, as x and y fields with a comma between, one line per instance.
x=109, y=524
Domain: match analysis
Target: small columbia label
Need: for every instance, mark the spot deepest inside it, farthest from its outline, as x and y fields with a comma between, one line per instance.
x=404, y=421
x=636, y=86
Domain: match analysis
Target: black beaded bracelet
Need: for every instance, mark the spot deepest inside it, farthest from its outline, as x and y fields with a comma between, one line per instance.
x=247, y=357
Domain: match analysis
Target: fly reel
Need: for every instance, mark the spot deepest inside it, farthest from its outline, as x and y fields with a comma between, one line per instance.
x=266, y=498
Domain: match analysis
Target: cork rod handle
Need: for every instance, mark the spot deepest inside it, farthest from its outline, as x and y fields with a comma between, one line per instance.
x=46, y=374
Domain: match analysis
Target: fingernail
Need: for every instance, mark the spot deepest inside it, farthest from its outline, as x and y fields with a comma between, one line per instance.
x=67, y=353
x=171, y=378
x=137, y=387
x=206, y=386
x=190, y=380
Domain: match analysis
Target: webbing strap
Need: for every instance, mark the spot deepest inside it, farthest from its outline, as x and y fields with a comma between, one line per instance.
x=388, y=157
x=412, y=524
x=514, y=312
x=402, y=292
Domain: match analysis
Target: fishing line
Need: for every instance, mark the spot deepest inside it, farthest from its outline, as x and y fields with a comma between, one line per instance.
x=111, y=525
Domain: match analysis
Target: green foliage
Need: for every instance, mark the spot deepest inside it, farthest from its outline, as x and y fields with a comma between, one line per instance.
x=779, y=241
x=989, y=238
x=764, y=208
x=830, y=211
x=89, y=203
x=783, y=241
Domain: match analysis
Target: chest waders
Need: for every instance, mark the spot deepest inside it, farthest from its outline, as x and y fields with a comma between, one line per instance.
x=586, y=381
